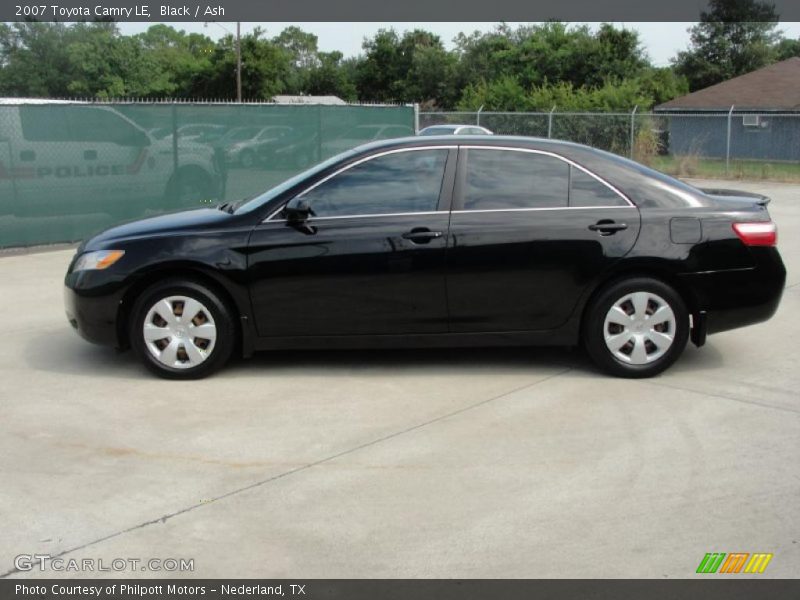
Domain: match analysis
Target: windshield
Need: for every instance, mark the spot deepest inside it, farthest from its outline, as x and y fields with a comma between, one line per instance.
x=437, y=130
x=261, y=199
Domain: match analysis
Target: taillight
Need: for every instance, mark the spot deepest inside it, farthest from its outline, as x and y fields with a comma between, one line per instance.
x=763, y=233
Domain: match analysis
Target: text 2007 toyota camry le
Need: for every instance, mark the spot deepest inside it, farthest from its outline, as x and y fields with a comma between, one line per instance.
x=437, y=241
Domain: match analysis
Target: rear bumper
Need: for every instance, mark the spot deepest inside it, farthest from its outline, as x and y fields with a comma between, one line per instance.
x=737, y=298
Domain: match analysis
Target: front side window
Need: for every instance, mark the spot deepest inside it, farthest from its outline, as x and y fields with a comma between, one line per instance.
x=508, y=179
x=401, y=182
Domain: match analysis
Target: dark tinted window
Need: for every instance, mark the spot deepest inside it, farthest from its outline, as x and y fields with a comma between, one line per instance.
x=498, y=179
x=89, y=124
x=585, y=190
x=44, y=124
x=394, y=183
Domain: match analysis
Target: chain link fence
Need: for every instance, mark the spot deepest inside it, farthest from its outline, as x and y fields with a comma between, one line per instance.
x=68, y=169
x=674, y=141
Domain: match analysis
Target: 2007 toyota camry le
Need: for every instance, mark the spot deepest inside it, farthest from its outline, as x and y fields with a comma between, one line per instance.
x=433, y=242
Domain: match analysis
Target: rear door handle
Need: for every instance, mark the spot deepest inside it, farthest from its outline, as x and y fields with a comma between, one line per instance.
x=422, y=235
x=608, y=227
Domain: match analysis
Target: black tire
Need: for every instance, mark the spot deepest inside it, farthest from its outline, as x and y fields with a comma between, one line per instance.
x=221, y=316
x=594, y=329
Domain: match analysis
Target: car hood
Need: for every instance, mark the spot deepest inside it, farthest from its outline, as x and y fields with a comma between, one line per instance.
x=171, y=222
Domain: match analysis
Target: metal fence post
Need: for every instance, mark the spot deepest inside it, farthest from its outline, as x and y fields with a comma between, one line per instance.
x=550, y=122
x=174, y=116
x=416, y=118
x=728, y=143
x=633, y=128
x=478, y=116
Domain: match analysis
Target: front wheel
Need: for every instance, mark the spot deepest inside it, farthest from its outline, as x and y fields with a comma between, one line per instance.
x=636, y=327
x=182, y=330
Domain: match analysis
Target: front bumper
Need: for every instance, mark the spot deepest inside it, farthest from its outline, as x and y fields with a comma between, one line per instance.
x=94, y=317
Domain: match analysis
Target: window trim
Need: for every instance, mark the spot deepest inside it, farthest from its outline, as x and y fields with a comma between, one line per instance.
x=458, y=196
x=355, y=163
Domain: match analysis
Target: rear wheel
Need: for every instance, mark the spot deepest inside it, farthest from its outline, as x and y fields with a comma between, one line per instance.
x=636, y=327
x=182, y=330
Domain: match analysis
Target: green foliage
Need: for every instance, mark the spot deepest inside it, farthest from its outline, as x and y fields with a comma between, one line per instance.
x=528, y=68
x=733, y=38
x=414, y=67
x=787, y=49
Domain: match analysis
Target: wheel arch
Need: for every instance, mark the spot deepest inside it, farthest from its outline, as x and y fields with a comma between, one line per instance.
x=657, y=271
x=237, y=301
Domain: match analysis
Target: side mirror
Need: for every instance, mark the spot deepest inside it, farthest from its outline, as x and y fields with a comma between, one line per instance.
x=298, y=210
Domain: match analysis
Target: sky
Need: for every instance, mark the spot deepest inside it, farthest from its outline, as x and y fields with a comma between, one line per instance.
x=662, y=41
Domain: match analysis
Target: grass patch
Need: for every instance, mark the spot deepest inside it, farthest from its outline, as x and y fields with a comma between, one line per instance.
x=714, y=168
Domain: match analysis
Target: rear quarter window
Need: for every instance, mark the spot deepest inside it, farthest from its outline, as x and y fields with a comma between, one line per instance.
x=587, y=191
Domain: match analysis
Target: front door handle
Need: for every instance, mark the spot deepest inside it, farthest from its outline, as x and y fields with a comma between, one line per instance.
x=608, y=227
x=422, y=235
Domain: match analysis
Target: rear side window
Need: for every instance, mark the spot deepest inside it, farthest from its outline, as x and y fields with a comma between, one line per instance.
x=586, y=191
x=401, y=182
x=507, y=179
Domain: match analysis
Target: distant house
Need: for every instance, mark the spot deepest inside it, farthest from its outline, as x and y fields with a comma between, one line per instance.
x=327, y=100
x=765, y=122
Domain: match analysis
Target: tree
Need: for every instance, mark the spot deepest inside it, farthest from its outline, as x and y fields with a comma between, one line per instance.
x=554, y=52
x=265, y=69
x=412, y=68
x=787, y=49
x=330, y=77
x=733, y=38
x=33, y=59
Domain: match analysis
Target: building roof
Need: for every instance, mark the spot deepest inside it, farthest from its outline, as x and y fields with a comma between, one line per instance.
x=330, y=100
x=776, y=87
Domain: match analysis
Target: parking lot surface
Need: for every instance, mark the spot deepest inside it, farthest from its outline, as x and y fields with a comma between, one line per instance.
x=421, y=463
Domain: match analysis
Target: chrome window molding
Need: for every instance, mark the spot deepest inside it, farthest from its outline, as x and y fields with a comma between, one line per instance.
x=492, y=210
x=554, y=155
x=629, y=204
x=359, y=162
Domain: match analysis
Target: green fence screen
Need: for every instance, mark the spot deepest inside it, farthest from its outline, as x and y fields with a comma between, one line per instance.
x=70, y=169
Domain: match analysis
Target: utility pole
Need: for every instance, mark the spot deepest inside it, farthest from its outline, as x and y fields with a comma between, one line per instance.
x=238, y=55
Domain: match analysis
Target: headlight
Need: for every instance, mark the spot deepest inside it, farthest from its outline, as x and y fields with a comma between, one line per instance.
x=102, y=259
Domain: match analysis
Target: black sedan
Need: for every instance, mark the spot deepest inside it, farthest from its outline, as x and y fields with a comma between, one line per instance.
x=437, y=241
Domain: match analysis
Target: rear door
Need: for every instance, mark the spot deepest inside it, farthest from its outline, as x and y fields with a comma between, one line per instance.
x=371, y=261
x=528, y=232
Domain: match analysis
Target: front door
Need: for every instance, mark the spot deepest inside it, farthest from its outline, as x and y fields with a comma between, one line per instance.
x=370, y=261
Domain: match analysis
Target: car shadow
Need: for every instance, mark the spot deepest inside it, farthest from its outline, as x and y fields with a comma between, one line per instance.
x=64, y=352
x=469, y=360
